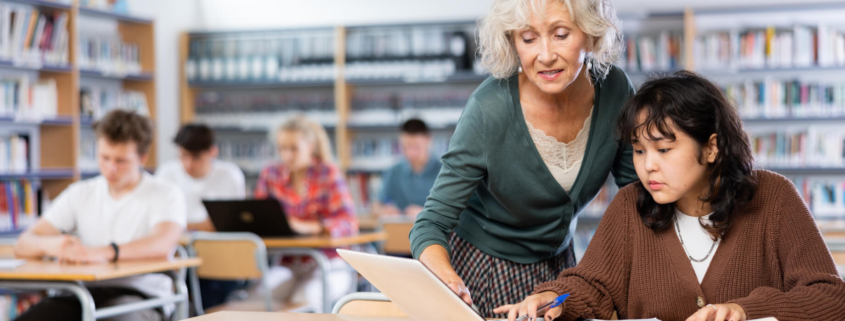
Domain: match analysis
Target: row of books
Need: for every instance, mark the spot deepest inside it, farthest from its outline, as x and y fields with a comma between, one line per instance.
x=222, y=102
x=824, y=195
x=15, y=304
x=95, y=101
x=14, y=153
x=264, y=121
x=19, y=206
x=250, y=154
x=32, y=37
x=365, y=188
x=799, y=146
x=261, y=56
x=405, y=42
x=772, y=47
x=117, y=6
x=647, y=53
x=406, y=70
x=109, y=55
x=413, y=99
x=23, y=98
x=773, y=98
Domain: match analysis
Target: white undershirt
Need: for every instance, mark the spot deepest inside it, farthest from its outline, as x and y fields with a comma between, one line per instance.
x=562, y=159
x=224, y=181
x=87, y=209
x=697, y=241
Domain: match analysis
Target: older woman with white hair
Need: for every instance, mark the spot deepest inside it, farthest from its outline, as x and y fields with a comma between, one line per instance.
x=533, y=147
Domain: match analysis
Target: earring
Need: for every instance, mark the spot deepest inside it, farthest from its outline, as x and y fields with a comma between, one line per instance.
x=519, y=69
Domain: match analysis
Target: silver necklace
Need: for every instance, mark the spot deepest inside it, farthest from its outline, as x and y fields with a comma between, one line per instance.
x=685, y=247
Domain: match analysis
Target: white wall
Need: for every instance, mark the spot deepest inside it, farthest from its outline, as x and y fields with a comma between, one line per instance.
x=174, y=16
x=171, y=18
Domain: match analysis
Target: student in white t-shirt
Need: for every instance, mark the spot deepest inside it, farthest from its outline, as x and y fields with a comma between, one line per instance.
x=200, y=175
x=124, y=214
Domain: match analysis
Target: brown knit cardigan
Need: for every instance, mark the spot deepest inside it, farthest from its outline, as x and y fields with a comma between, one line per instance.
x=772, y=261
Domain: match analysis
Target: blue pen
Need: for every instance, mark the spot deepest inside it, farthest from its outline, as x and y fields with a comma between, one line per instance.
x=551, y=305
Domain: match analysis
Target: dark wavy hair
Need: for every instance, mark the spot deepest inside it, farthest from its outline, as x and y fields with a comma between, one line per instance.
x=690, y=103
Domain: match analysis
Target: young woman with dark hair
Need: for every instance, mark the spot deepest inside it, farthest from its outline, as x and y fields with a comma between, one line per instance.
x=702, y=236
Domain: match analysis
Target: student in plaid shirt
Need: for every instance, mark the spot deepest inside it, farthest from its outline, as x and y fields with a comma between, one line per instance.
x=316, y=200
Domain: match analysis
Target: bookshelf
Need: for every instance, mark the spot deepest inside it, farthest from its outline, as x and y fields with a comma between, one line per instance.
x=53, y=139
x=375, y=74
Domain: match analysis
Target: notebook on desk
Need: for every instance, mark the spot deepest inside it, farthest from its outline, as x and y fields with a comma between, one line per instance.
x=8, y=264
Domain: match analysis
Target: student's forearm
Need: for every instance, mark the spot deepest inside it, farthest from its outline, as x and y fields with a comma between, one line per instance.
x=31, y=245
x=159, y=245
x=147, y=248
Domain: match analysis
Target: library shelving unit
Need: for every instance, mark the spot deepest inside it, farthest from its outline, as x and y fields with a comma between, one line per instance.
x=54, y=142
x=719, y=43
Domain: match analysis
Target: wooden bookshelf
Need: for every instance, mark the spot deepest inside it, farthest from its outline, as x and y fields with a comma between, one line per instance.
x=689, y=23
x=57, y=166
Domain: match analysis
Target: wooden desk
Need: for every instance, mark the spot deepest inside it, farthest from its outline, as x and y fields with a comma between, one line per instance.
x=42, y=275
x=312, y=242
x=317, y=242
x=269, y=316
x=53, y=271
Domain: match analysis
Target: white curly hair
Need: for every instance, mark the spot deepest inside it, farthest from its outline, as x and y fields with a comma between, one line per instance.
x=596, y=18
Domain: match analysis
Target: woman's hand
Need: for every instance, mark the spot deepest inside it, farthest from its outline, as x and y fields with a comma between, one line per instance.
x=719, y=312
x=529, y=307
x=436, y=259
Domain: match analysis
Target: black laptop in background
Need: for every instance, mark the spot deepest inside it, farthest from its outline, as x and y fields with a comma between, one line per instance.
x=265, y=218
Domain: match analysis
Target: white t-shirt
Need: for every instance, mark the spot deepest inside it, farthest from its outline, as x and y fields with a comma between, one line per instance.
x=223, y=181
x=87, y=210
x=697, y=241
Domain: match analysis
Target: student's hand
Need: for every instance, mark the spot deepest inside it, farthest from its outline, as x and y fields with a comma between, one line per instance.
x=81, y=254
x=387, y=210
x=719, y=312
x=305, y=227
x=412, y=210
x=62, y=242
x=529, y=307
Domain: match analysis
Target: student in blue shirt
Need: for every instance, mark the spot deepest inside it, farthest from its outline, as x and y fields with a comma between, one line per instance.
x=406, y=185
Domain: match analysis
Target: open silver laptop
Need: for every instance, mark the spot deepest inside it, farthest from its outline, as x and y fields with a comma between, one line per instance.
x=411, y=286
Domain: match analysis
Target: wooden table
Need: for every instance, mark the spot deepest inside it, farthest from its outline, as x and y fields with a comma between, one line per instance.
x=269, y=316
x=323, y=242
x=42, y=275
x=312, y=246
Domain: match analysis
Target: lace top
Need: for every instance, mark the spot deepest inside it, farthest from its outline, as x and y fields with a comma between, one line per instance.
x=562, y=159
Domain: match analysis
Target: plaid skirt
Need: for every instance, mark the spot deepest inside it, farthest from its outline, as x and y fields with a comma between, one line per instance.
x=494, y=282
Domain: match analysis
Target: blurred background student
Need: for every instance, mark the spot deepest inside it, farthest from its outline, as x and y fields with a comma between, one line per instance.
x=406, y=185
x=316, y=200
x=201, y=176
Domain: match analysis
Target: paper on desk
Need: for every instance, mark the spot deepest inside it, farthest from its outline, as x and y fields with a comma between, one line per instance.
x=11, y=263
x=656, y=319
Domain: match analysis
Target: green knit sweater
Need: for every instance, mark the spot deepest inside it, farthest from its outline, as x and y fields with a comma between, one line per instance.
x=495, y=191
